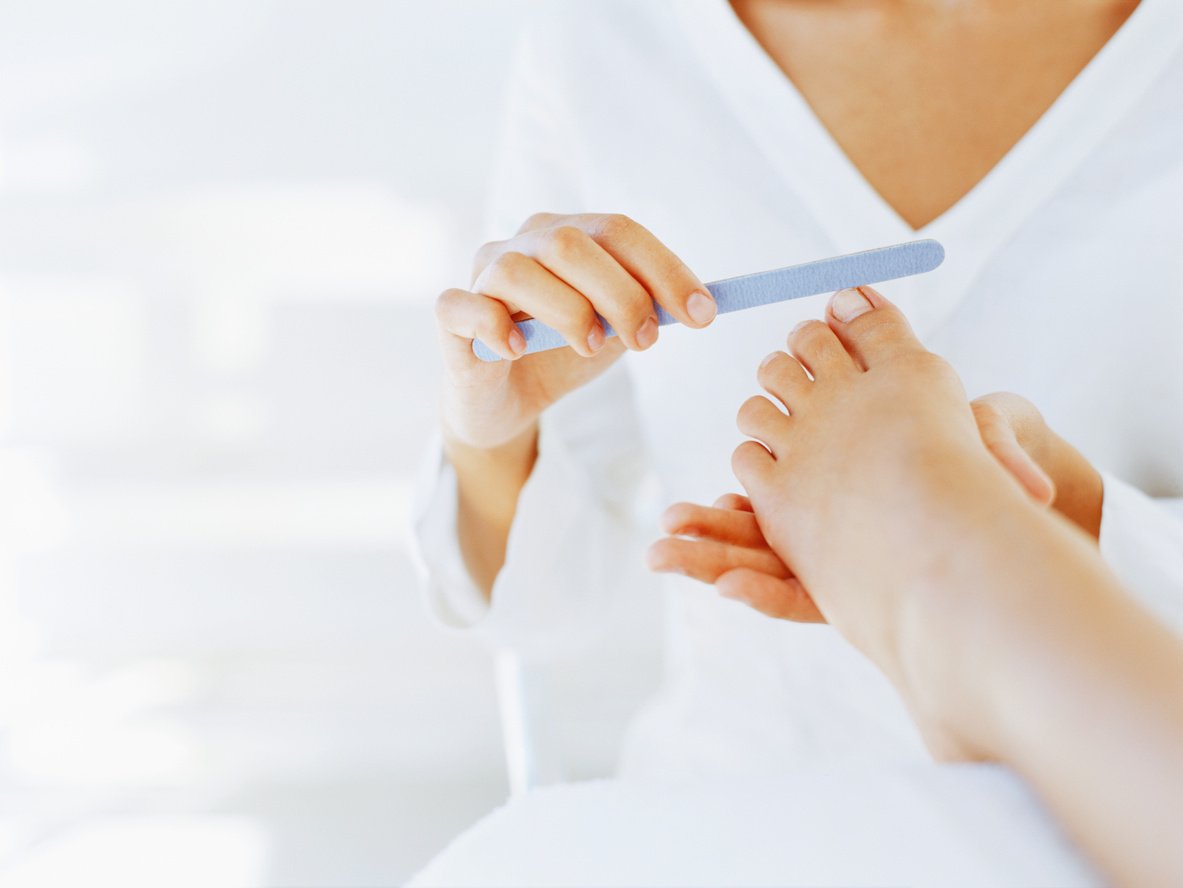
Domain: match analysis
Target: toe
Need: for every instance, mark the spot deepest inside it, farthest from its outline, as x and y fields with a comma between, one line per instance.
x=871, y=328
x=760, y=419
x=752, y=464
x=818, y=349
x=783, y=377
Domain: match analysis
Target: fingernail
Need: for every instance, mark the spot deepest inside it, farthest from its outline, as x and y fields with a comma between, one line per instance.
x=701, y=308
x=846, y=305
x=647, y=335
x=595, y=339
x=517, y=342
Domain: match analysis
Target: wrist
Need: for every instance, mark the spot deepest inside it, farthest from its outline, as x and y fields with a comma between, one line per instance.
x=491, y=478
x=489, y=481
x=969, y=650
x=954, y=635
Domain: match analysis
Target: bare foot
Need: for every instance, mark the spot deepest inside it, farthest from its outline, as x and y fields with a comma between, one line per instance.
x=723, y=545
x=877, y=468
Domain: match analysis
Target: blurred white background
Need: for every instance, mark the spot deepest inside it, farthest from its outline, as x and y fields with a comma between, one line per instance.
x=222, y=226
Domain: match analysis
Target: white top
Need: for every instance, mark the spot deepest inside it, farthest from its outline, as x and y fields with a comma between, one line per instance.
x=920, y=824
x=1063, y=283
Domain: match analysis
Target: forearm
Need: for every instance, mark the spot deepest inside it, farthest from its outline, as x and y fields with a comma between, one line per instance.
x=1042, y=662
x=489, y=482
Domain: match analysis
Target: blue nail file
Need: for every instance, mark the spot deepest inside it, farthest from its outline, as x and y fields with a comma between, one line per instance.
x=779, y=285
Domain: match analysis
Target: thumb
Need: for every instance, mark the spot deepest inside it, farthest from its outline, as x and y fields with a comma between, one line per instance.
x=999, y=437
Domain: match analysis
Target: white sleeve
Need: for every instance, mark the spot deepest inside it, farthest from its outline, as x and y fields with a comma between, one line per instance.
x=538, y=165
x=574, y=546
x=1142, y=541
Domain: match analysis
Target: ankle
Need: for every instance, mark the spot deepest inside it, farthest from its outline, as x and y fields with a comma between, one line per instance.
x=948, y=623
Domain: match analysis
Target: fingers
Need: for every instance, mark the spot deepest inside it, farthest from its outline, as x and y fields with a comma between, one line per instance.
x=734, y=501
x=573, y=256
x=616, y=266
x=1022, y=416
x=998, y=435
x=706, y=560
x=520, y=282
x=539, y=220
x=667, y=279
x=463, y=316
x=722, y=523
x=778, y=597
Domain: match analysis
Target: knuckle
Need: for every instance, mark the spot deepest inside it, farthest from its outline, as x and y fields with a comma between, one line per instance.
x=510, y=268
x=566, y=242
x=491, y=314
x=570, y=317
x=446, y=302
x=631, y=306
x=537, y=220
x=672, y=276
x=578, y=317
x=485, y=254
x=614, y=225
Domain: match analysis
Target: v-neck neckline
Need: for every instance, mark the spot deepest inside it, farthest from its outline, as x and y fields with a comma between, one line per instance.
x=851, y=211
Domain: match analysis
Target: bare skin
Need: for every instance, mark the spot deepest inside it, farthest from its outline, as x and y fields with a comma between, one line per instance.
x=996, y=619
x=922, y=95
x=563, y=270
x=862, y=66
x=722, y=544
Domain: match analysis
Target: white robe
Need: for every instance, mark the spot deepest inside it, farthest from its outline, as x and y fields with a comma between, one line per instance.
x=1063, y=283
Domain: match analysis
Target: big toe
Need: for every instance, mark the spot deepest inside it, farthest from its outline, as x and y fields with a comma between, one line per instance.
x=872, y=329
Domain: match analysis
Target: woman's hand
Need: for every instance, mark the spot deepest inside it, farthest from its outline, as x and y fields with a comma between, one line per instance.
x=723, y=544
x=1019, y=437
x=567, y=271
x=564, y=271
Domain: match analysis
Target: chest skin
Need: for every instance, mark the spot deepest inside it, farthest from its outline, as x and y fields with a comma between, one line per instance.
x=925, y=98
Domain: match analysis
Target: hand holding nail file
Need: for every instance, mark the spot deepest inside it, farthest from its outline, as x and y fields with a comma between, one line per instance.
x=779, y=285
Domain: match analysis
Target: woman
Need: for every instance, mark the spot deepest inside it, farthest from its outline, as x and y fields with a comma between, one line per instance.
x=762, y=135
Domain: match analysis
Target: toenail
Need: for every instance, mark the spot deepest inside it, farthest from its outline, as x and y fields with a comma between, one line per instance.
x=846, y=305
x=768, y=360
